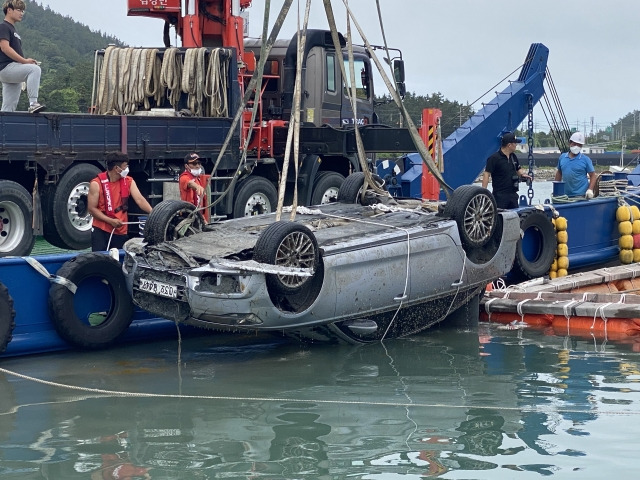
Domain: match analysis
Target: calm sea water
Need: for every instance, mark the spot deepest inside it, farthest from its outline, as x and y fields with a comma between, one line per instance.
x=486, y=404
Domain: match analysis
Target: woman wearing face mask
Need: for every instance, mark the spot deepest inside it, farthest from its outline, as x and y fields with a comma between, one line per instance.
x=193, y=182
x=108, y=203
x=574, y=167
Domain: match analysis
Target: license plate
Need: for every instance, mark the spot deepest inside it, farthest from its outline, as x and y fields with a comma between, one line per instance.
x=158, y=288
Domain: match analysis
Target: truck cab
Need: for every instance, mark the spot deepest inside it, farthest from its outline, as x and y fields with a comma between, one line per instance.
x=324, y=91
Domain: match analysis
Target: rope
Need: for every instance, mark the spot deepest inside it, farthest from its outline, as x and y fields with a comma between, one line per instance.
x=51, y=277
x=193, y=79
x=293, y=133
x=171, y=75
x=120, y=393
x=215, y=89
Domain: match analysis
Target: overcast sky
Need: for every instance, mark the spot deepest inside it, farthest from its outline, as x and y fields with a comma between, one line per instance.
x=462, y=48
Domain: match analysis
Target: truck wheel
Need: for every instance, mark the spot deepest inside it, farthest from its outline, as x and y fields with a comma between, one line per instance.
x=7, y=317
x=474, y=210
x=170, y=220
x=255, y=196
x=326, y=188
x=16, y=214
x=67, y=221
x=351, y=187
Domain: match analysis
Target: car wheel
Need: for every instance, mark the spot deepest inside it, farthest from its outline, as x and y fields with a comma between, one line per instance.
x=287, y=244
x=170, y=220
x=474, y=210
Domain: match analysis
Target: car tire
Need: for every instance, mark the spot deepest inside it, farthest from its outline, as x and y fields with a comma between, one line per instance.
x=16, y=215
x=255, y=195
x=326, y=188
x=474, y=210
x=170, y=220
x=288, y=244
x=7, y=317
x=93, y=271
x=66, y=217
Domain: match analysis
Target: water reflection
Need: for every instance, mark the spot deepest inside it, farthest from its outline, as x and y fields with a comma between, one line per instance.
x=484, y=404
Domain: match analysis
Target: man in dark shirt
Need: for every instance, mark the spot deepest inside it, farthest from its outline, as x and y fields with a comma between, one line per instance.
x=14, y=68
x=505, y=172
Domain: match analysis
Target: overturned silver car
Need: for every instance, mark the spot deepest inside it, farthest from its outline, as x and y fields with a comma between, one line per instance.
x=342, y=271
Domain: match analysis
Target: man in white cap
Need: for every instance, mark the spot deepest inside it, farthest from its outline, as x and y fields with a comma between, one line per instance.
x=574, y=167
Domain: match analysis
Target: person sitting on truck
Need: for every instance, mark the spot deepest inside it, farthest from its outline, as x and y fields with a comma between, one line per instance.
x=14, y=68
x=505, y=173
x=108, y=202
x=573, y=168
x=193, y=184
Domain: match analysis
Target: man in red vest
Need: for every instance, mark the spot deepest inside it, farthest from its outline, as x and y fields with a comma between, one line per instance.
x=193, y=184
x=108, y=201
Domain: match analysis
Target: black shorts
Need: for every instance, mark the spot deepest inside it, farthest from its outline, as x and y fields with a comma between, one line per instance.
x=100, y=240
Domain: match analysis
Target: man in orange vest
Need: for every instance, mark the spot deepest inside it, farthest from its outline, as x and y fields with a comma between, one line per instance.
x=193, y=184
x=108, y=202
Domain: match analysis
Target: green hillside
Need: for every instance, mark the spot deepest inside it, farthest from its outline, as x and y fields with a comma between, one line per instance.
x=66, y=49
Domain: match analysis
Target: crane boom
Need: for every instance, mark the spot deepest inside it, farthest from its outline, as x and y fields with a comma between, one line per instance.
x=466, y=150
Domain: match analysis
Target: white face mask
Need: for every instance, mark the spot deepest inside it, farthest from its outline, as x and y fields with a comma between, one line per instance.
x=124, y=172
x=576, y=149
x=196, y=172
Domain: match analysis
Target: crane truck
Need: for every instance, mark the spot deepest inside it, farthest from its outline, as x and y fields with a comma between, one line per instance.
x=49, y=159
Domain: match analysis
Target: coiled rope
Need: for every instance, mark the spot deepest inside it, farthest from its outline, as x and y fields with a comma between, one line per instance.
x=132, y=79
x=171, y=75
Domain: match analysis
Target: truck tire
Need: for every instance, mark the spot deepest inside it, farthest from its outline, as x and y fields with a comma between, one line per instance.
x=170, y=220
x=73, y=314
x=326, y=188
x=255, y=196
x=66, y=217
x=474, y=210
x=16, y=215
x=351, y=187
x=7, y=317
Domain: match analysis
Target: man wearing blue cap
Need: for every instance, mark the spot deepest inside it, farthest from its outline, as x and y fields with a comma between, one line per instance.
x=505, y=173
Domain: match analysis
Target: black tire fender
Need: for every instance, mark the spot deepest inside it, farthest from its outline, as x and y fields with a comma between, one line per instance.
x=170, y=220
x=66, y=217
x=536, y=249
x=7, y=317
x=90, y=272
x=255, y=196
x=16, y=216
x=326, y=187
x=474, y=210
